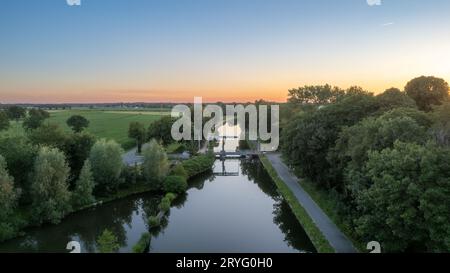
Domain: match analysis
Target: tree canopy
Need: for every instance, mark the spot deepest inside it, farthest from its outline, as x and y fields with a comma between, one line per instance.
x=77, y=123
x=427, y=91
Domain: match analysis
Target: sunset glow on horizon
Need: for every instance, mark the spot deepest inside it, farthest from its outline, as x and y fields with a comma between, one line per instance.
x=230, y=51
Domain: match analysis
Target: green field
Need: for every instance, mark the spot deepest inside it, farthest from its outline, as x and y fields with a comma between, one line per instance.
x=103, y=124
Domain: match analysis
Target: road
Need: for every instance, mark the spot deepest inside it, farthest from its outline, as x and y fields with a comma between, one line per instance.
x=332, y=233
x=131, y=158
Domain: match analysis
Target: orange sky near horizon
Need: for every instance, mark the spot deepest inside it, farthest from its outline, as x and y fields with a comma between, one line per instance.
x=271, y=91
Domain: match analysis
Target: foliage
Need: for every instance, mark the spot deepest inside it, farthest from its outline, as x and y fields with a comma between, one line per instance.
x=156, y=164
x=20, y=155
x=137, y=132
x=131, y=175
x=77, y=148
x=319, y=95
x=107, y=242
x=427, y=91
x=175, y=148
x=179, y=170
x=154, y=221
x=407, y=205
x=35, y=118
x=393, y=98
x=51, y=135
x=441, y=124
x=372, y=134
x=50, y=195
x=84, y=187
x=15, y=112
x=77, y=123
x=175, y=184
x=161, y=130
x=308, y=137
x=8, y=201
x=107, y=165
x=198, y=164
x=4, y=120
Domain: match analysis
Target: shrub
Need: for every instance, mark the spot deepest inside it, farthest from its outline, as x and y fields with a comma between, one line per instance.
x=198, y=164
x=176, y=184
x=179, y=170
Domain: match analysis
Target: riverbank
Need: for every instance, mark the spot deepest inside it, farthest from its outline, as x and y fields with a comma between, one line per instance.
x=335, y=237
x=314, y=234
x=194, y=166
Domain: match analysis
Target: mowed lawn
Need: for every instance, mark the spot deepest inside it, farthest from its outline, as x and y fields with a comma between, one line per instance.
x=105, y=124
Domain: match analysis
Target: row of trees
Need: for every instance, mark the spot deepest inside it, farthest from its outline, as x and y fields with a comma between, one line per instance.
x=385, y=159
x=50, y=172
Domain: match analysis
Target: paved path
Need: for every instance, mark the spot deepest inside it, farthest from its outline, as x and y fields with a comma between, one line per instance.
x=131, y=157
x=335, y=237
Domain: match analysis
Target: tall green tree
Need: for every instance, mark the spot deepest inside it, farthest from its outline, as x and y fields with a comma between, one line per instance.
x=316, y=95
x=441, y=124
x=161, y=130
x=372, y=134
x=406, y=207
x=49, y=134
x=77, y=123
x=77, y=148
x=156, y=164
x=427, y=91
x=107, y=165
x=4, y=120
x=83, y=193
x=15, y=112
x=308, y=137
x=8, y=201
x=50, y=194
x=136, y=131
x=20, y=156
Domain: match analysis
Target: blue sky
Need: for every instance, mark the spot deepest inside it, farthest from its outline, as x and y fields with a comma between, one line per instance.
x=171, y=50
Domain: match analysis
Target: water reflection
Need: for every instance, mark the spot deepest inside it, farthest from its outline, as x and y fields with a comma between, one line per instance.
x=242, y=213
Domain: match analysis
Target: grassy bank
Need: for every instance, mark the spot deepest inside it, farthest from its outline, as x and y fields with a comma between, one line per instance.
x=315, y=235
x=328, y=204
x=26, y=218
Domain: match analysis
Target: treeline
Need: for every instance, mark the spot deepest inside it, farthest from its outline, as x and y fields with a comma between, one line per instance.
x=47, y=173
x=385, y=159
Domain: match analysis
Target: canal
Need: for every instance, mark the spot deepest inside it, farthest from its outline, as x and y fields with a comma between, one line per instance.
x=234, y=208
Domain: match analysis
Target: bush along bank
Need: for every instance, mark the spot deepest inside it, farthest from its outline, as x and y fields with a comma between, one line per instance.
x=173, y=185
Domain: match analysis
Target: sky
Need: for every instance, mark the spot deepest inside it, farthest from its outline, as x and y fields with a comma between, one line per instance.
x=221, y=50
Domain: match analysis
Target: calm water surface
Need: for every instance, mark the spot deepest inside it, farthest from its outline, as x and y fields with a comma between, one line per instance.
x=235, y=208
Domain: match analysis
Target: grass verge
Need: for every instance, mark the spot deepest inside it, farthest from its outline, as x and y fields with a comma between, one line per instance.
x=328, y=205
x=314, y=234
